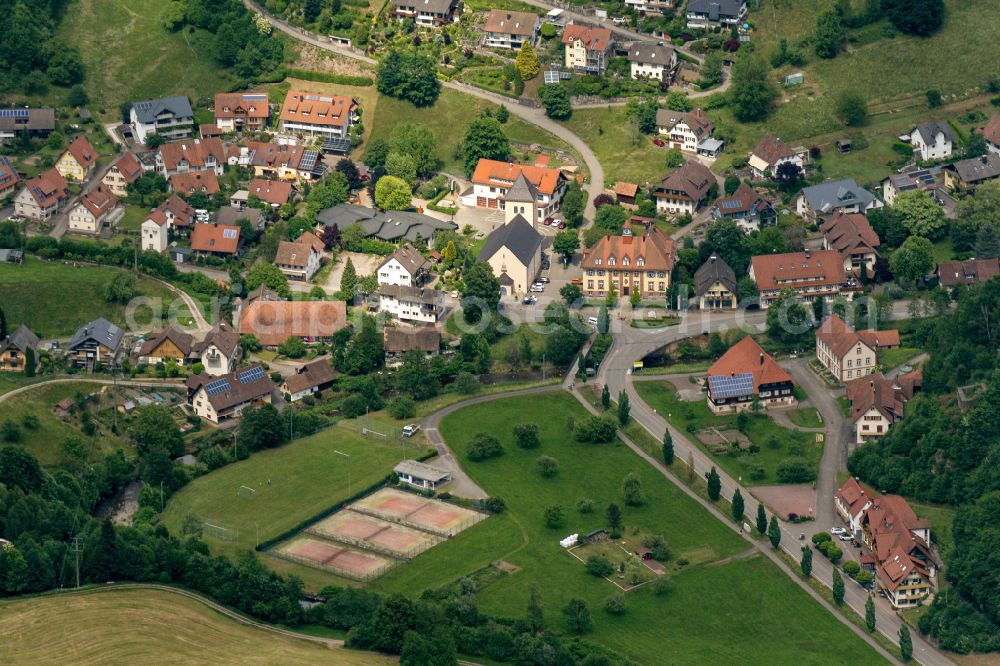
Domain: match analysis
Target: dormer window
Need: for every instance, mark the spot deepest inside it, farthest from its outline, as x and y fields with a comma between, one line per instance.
x=597, y=262
x=611, y=261
x=625, y=261
x=640, y=262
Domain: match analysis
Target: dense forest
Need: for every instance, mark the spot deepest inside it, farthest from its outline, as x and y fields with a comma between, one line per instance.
x=30, y=57
x=940, y=453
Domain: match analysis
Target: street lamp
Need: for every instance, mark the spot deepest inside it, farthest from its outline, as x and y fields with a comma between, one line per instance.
x=340, y=453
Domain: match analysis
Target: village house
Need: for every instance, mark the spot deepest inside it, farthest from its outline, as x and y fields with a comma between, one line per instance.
x=299, y=260
x=587, y=49
x=237, y=112
x=78, y=161
x=746, y=374
x=770, y=154
x=274, y=322
x=219, y=351
x=125, y=171
x=197, y=155
x=9, y=178
x=967, y=175
x=405, y=267
x=625, y=193
x=41, y=196
x=953, y=273
x=509, y=30
x=202, y=182
x=747, y=208
x=154, y=232
x=816, y=203
x=905, y=566
x=310, y=379
x=314, y=114
x=931, y=141
x=95, y=210
x=170, y=345
x=493, y=180
x=428, y=13
x=232, y=217
x=170, y=117
x=36, y=122
x=421, y=475
x=221, y=398
x=99, y=341
x=810, y=274
x=929, y=180
x=627, y=263
x=398, y=340
x=877, y=403
x=683, y=191
x=689, y=131
x=215, y=239
x=514, y=252
x=179, y=214
x=852, y=236
x=414, y=304
x=708, y=14
x=653, y=60
x=15, y=349
x=991, y=133
x=281, y=161
x=715, y=285
x=847, y=353
x=274, y=193
x=851, y=502
x=644, y=7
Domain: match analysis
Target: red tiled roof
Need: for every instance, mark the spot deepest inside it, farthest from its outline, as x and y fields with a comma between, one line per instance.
x=740, y=201
x=158, y=217
x=47, y=188
x=293, y=254
x=838, y=336
x=626, y=189
x=195, y=151
x=594, y=39
x=853, y=496
x=951, y=273
x=82, y=152
x=773, y=272
x=209, y=130
x=8, y=174
x=183, y=212
x=510, y=23
x=270, y=191
x=746, y=356
x=656, y=249
x=241, y=105
x=273, y=322
x=199, y=181
x=99, y=201
x=312, y=239
x=316, y=108
x=874, y=391
x=275, y=155
x=311, y=375
x=991, y=131
x=503, y=175
x=771, y=149
x=850, y=233
x=880, y=339
x=215, y=238
x=128, y=166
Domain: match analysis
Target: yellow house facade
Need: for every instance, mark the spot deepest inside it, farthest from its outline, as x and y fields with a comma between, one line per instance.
x=78, y=161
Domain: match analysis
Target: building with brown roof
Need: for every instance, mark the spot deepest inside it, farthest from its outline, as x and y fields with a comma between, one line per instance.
x=810, y=275
x=852, y=236
x=844, y=352
x=41, y=196
x=877, y=403
x=715, y=285
x=746, y=207
x=399, y=340
x=78, y=161
x=625, y=193
x=509, y=30
x=18, y=120
x=746, y=374
x=769, y=154
x=627, y=263
x=683, y=191
x=587, y=49
x=299, y=260
x=412, y=304
x=193, y=155
x=493, y=180
x=281, y=161
x=9, y=177
x=168, y=345
x=991, y=133
x=154, y=232
x=966, y=175
x=851, y=501
x=275, y=193
x=222, y=398
x=14, y=349
x=216, y=239
x=653, y=60
x=180, y=215
x=310, y=379
x=905, y=564
x=684, y=130
x=219, y=351
x=95, y=210
x=125, y=171
x=406, y=267
x=203, y=182
x=428, y=13
x=239, y=111
x=273, y=322
x=315, y=114
x=953, y=273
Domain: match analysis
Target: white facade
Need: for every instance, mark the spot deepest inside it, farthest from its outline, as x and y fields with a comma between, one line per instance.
x=486, y=196
x=938, y=150
x=82, y=220
x=859, y=361
x=407, y=309
x=761, y=170
x=26, y=206
x=216, y=362
x=393, y=272
x=675, y=205
x=302, y=273
x=154, y=236
x=870, y=425
x=645, y=70
x=680, y=136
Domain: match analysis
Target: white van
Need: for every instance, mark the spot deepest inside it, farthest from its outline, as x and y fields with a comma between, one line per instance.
x=592, y=321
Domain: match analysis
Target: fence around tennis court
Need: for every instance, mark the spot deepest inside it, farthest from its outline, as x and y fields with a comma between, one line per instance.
x=465, y=524
x=362, y=544
x=366, y=577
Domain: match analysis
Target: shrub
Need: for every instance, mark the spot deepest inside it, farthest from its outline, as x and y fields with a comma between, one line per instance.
x=658, y=545
x=596, y=429
x=554, y=516
x=547, y=466
x=402, y=407
x=851, y=568
x=526, y=435
x=495, y=504
x=865, y=578
x=466, y=383
x=795, y=470
x=484, y=446
x=661, y=586
x=600, y=566
x=821, y=537
x=615, y=604
x=585, y=505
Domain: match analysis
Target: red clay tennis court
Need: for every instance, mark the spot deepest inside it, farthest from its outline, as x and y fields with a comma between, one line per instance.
x=374, y=533
x=337, y=558
x=431, y=515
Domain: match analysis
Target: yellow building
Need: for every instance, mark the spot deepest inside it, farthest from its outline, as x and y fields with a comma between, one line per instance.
x=78, y=161
x=715, y=285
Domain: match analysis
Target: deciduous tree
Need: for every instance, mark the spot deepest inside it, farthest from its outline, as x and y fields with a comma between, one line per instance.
x=392, y=193
x=484, y=139
x=752, y=91
x=913, y=259
x=920, y=214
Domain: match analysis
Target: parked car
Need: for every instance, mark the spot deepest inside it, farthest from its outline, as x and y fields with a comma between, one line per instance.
x=838, y=530
x=548, y=221
x=846, y=537
x=410, y=430
x=529, y=300
x=659, y=142
x=543, y=280
x=562, y=225
x=536, y=288
x=454, y=294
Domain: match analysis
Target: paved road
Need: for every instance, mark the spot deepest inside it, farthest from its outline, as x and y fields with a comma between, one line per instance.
x=199, y=319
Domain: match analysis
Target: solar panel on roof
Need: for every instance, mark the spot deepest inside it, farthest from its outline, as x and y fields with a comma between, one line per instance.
x=309, y=158
x=218, y=386
x=335, y=145
x=251, y=375
x=229, y=233
x=724, y=386
x=13, y=113
x=551, y=77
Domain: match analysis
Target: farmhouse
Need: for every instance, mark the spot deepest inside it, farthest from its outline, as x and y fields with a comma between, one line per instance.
x=818, y=202
x=169, y=345
x=406, y=267
x=41, y=196
x=428, y=13
x=810, y=274
x=967, y=175
x=683, y=191
x=715, y=285
x=706, y=14
x=95, y=210
x=236, y=112
x=203, y=182
x=125, y=171
x=14, y=350
x=9, y=178
x=626, y=264
x=219, y=399
x=314, y=114
x=190, y=157
x=219, y=351
x=653, y=60
x=310, y=379
x=153, y=233
x=514, y=252
x=932, y=141
x=905, y=566
x=215, y=239
x=421, y=475
x=273, y=322
x=392, y=226
x=745, y=374
x=401, y=339
x=493, y=181
x=78, y=160
x=415, y=304
x=97, y=342
x=849, y=354
x=509, y=30
x=625, y=193
x=877, y=403
x=36, y=122
x=852, y=236
x=170, y=117
x=851, y=502
x=587, y=49
x=690, y=132
x=973, y=271
x=770, y=154
x=746, y=207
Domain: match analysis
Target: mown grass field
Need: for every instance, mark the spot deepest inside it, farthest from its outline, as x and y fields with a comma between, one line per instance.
x=129, y=55
x=148, y=627
x=893, y=358
x=776, y=442
x=735, y=610
x=48, y=298
x=448, y=119
x=624, y=153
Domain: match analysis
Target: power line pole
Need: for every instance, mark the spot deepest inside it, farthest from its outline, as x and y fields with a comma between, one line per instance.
x=76, y=550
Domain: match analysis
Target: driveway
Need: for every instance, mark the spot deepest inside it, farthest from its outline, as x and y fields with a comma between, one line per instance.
x=364, y=264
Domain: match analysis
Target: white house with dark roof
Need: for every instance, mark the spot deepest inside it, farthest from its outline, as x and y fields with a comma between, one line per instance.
x=652, y=60
x=818, y=202
x=707, y=14
x=416, y=304
x=421, y=475
x=406, y=267
x=221, y=398
x=170, y=117
x=97, y=342
x=428, y=13
x=690, y=132
x=509, y=29
x=932, y=141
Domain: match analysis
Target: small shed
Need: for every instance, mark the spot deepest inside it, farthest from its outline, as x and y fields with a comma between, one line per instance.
x=643, y=553
x=11, y=257
x=796, y=79
x=421, y=475
x=595, y=536
x=64, y=408
x=180, y=255
x=844, y=145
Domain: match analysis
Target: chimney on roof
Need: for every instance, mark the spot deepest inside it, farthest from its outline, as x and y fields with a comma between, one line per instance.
x=984, y=159
x=762, y=358
x=808, y=253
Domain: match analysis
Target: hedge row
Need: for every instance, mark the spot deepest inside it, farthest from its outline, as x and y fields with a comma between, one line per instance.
x=329, y=77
